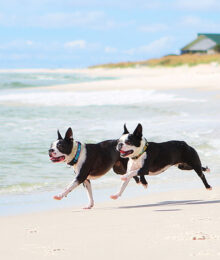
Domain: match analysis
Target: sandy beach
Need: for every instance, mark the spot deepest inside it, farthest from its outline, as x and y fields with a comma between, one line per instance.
x=202, y=77
x=169, y=225
x=181, y=224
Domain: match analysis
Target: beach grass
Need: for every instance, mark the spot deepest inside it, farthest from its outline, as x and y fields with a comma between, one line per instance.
x=167, y=61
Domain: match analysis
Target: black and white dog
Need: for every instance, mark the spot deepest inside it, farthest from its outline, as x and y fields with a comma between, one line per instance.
x=149, y=158
x=90, y=161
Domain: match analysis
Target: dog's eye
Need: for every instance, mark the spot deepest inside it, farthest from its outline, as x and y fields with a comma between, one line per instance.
x=60, y=146
x=128, y=142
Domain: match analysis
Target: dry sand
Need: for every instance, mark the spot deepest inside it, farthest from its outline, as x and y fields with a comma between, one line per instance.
x=170, y=225
x=202, y=77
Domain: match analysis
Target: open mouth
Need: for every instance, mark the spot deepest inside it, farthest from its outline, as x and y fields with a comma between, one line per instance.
x=57, y=159
x=125, y=153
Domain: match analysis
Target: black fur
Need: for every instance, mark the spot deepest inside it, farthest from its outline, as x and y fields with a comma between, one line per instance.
x=100, y=157
x=160, y=155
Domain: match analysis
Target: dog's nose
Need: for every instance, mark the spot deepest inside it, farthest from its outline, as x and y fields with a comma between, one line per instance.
x=50, y=152
x=120, y=146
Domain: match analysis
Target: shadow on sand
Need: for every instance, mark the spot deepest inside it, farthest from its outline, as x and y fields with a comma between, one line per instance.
x=172, y=203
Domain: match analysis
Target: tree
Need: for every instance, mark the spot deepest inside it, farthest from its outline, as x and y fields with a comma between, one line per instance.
x=217, y=48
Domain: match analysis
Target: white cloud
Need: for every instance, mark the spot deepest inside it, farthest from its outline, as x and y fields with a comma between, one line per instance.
x=68, y=19
x=79, y=44
x=110, y=49
x=200, y=25
x=18, y=45
x=152, y=28
x=154, y=47
x=96, y=20
x=197, y=4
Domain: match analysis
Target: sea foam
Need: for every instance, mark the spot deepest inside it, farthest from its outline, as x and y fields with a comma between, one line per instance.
x=91, y=98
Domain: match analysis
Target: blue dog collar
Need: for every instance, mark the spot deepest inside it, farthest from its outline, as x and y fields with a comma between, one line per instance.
x=75, y=159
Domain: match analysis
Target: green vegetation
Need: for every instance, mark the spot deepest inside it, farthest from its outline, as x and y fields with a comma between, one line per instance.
x=217, y=48
x=168, y=61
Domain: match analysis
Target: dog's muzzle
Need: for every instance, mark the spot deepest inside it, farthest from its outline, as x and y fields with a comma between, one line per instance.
x=55, y=159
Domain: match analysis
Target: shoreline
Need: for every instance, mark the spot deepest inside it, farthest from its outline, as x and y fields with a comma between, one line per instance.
x=31, y=203
x=178, y=224
x=201, y=77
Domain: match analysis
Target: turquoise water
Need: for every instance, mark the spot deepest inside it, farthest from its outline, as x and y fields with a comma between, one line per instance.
x=30, y=117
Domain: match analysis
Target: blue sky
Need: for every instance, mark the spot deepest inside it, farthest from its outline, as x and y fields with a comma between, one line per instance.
x=70, y=33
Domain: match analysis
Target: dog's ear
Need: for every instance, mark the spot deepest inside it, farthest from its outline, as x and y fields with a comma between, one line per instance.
x=125, y=130
x=138, y=131
x=69, y=134
x=59, y=135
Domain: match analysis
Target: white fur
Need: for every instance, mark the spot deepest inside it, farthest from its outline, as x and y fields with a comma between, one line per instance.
x=77, y=167
x=126, y=147
x=56, y=152
x=82, y=157
x=89, y=193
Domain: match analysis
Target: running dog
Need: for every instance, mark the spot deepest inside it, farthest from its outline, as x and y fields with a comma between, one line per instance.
x=90, y=161
x=149, y=158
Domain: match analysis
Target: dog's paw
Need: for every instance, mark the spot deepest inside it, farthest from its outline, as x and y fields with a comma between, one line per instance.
x=145, y=186
x=114, y=197
x=210, y=188
x=88, y=207
x=57, y=197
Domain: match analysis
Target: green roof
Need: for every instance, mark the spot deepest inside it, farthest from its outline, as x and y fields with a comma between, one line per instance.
x=213, y=36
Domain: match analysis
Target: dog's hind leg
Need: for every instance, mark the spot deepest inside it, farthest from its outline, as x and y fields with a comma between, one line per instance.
x=192, y=160
x=198, y=170
x=88, y=186
x=185, y=167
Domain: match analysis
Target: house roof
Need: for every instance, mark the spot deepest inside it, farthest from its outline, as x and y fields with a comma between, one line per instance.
x=212, y=37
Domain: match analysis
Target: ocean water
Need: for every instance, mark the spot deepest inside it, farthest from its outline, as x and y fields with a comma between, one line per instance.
x=30, y=117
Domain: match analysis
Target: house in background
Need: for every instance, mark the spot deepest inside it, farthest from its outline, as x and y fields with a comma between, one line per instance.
x=204, y=43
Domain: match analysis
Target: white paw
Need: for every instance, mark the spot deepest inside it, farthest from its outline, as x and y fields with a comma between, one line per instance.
x=145, y=186
x=89, y=206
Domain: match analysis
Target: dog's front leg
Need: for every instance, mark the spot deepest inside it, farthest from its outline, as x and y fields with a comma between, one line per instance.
x=122, y=188
x=69, y=188
x=88, y=186
x=124, y=185
x=129, y=175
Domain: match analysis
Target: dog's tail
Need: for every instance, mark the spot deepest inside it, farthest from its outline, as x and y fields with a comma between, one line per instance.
x=205, y=169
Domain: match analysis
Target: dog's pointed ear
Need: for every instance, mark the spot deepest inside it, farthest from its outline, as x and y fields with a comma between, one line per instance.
x=125, y=130
x=138, y=131
x=59, y=135
x=69, y=134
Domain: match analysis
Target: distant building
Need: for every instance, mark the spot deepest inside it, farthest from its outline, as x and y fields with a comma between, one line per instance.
x=204, y=43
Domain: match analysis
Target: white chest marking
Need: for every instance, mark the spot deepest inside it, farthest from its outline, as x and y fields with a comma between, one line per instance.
x=77, y=167
x=134, y=165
